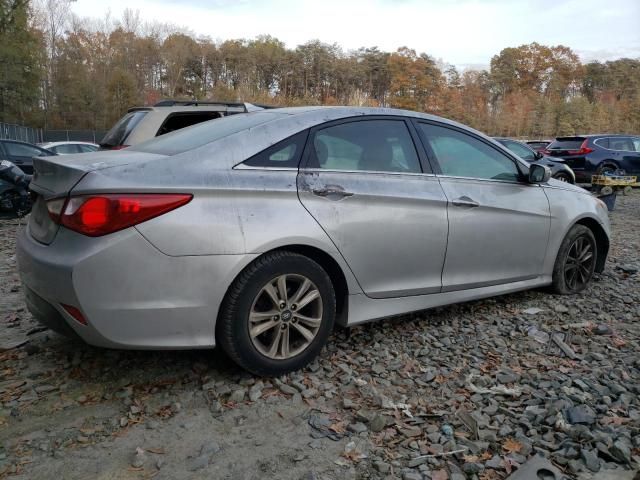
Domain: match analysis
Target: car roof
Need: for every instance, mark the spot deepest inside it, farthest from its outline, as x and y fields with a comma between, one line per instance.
x=71, y=142
x=595, y=135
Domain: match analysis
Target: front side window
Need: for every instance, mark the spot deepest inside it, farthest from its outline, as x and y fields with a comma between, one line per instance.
x=520, y=150
x=21, y=150
x=461, y=155
x=636, y=143
x=370, y=145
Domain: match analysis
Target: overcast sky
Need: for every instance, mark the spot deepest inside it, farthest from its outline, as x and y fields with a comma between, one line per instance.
x=462, y=32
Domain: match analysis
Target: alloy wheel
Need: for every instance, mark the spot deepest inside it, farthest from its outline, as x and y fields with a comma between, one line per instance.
x=285, y=316
x=579, y=263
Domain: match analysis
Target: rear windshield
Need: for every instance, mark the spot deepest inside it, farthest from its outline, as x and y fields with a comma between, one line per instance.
x=203, y=133
x=573, y=143
x=121, y=130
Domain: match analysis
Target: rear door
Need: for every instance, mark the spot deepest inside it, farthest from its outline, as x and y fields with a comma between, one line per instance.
x=628, y=149
x=498, y=225
x=363, y=182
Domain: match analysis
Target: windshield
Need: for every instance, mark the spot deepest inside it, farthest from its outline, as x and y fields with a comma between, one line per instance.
x=121, y=130
x=197, y=135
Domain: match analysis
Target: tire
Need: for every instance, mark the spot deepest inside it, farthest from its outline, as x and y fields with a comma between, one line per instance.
x=563, y=177
x=607, y=168
x=564, y=282
x=254, y=294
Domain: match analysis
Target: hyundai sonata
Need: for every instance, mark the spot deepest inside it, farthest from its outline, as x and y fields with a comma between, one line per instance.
x=259, y=231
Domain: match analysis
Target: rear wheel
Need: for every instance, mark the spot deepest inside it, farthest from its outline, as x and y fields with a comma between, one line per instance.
x=607, y=169
x=575, y=262
x=278, y=314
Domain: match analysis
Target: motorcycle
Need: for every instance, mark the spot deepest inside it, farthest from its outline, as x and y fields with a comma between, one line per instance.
x=15, y=200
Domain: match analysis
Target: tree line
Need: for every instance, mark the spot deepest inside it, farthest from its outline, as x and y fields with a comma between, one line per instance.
x=61, y=71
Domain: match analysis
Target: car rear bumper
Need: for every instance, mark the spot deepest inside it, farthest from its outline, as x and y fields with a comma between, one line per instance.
x=131, y=294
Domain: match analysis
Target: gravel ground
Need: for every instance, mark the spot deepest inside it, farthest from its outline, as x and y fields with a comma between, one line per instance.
x=476, y=390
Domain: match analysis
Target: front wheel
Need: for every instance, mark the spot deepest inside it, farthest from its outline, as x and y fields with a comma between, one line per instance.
x=575, y=262
x=563, y=177
x=278, y=314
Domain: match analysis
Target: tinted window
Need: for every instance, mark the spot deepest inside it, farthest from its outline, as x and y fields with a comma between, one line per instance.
x=373, y=145
x=621, y=143
x=566, y=144
x=21, y=150
x=285, y=154
x=203, y=133
x=121, y=130
x=461, y=155
x=602, y=142
x=520, y=150
x=87, y=148
x=65, y=149
x=177, y=121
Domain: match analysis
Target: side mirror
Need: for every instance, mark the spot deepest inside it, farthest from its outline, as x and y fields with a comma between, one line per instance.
x=538, y=155
x=539, y=173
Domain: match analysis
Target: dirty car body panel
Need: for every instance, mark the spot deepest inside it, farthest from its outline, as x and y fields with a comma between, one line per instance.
x=396, y=238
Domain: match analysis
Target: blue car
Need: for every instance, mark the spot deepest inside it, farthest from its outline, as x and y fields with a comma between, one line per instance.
x=589, y=155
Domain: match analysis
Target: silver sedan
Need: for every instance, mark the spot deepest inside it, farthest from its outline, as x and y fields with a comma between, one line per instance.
x=260, y=231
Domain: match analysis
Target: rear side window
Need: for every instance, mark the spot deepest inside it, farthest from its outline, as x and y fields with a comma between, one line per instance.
x=602, y=142
x=87, y=148
x=369, y=145
x=177, y=121
x=461, y=155
x=121, y=130
x=284, y=154
x=66, y=149
x=636, y=143
x=621, y=143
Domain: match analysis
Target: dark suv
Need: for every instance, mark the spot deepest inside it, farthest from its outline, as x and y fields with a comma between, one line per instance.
x=597, y=154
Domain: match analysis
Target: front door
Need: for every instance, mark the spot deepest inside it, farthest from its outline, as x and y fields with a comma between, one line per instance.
x=498, y=224
x=363, y=182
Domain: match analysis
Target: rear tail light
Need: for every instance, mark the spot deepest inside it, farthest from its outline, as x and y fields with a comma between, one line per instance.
x=119, y=147
x=545, y=151
x=96, y=215
x=583, y=149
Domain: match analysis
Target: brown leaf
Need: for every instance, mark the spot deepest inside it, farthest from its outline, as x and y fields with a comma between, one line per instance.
x=511, y=446
x=157, y=451
x=440, y=475
x=338, y=427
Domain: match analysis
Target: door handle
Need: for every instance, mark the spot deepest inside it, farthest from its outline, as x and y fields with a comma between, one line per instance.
x=465, y=202
x=331, y=191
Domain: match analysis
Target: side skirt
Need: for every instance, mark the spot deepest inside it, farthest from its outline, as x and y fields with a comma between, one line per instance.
x=364, y=309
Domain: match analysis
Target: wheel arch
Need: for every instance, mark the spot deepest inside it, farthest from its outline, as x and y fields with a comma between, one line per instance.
x=602, y=240
x=327, y=262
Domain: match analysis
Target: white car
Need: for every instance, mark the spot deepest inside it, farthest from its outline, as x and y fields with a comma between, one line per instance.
x=66, y=148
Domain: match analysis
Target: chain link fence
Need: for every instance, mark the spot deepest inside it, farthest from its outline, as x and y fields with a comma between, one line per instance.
x=9, y=131
x=93, y=136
